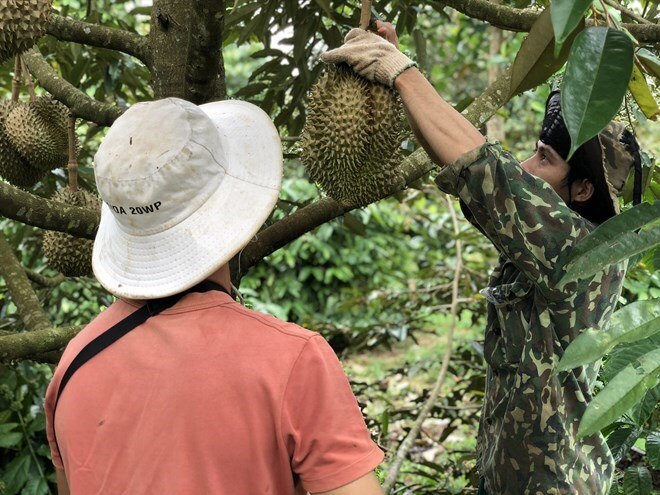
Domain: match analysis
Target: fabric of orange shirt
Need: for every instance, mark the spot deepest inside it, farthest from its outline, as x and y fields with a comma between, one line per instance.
x=207, y=398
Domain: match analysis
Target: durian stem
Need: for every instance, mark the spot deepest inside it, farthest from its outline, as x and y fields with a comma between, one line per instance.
x=365, y=14
x=16, y=81
x=28, y=80
x=72, y=166
x=21, y=290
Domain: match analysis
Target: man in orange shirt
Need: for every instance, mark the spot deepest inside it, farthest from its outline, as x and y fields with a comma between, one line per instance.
x=176, y=388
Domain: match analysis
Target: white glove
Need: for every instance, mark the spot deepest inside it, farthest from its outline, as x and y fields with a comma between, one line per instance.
x=370, y=56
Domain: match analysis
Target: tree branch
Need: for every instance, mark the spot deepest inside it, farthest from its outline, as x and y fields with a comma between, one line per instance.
x=22, y=293
x=86, y=33
x=205, y=60
x=30, y=344
x=513, y=19
x=78, y=102
x=627, y=12
x=43, y=280
x=46, y=214
x=407, y=443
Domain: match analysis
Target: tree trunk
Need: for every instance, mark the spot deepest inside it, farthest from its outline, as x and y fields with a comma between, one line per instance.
x=186, y=43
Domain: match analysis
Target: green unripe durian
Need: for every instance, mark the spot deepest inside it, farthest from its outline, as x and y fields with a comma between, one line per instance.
x=13, y=167
x=351, y=142
x=22, y=23
x=65, y=253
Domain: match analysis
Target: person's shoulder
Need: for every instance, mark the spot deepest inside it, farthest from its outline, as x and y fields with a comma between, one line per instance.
x=269, y=323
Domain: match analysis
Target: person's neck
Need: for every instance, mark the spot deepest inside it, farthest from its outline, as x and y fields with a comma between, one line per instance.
x=222, y=276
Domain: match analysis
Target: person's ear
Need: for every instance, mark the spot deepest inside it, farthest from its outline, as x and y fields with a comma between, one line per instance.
x=582, y=190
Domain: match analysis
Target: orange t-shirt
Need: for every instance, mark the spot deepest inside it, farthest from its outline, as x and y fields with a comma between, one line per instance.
x=207, y=398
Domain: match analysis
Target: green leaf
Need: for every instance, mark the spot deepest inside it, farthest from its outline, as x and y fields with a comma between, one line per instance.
x=36, y=486
x=641, y=92
x=536, y=61
x=615, y=240
x=621, y=393
x=653, y=449
x=621, y=440
x=566, y=15
x=623, y=355
x=597, y=75
x=636, y=321
x=17, y=473
x=650, y=62
x=637, y=481
x=644, y=408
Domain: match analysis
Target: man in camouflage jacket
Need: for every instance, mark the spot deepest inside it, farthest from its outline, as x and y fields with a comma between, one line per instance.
x=528, y=441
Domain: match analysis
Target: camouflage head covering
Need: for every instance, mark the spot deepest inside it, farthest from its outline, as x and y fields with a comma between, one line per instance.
x=619, y=149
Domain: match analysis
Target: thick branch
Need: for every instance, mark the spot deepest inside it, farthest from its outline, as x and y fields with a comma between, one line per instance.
x=513, y=19
x=21, y=291
x=205, y=55
x=66, y=29
x=51, y=215
x=29, y=344
x=78, y=102
x=186, y=38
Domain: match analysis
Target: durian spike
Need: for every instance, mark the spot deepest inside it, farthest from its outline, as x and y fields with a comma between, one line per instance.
x=72, y=166
x=365, y=14
x=16, y=81
x=28, y=80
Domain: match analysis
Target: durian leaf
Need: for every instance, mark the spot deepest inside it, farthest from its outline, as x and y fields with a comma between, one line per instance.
x=635, y=321
x=566, y=15
x=615, y=240
x=621, y=393
x=621, y=440
x=597, y=75
x=536, y=61
x=637, y=481
x=653, y=449
x=641, y=92
x=650, y=62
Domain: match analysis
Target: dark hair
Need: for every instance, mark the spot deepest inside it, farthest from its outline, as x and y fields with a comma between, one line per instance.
x=587, y=163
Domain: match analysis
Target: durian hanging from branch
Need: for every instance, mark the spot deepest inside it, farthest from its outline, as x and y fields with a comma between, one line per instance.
x=22, y=23
x=351, y=142
x=69, y=255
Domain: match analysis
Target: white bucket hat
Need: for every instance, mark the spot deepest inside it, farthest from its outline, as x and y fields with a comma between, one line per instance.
x=184, y=189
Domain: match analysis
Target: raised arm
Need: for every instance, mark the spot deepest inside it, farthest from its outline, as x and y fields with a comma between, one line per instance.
x=443, y=132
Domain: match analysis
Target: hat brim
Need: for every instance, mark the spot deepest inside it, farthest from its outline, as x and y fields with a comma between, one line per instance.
x=168, y=262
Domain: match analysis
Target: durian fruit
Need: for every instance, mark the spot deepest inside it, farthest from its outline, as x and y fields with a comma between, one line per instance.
x=22, y=23
x=38, y=130
x=351, y=142
x=65, y=253
x=13, y=167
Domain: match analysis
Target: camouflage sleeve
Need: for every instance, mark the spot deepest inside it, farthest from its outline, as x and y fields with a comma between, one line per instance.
x=521, y=215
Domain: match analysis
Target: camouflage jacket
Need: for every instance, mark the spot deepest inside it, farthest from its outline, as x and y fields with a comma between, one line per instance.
x=527, y=443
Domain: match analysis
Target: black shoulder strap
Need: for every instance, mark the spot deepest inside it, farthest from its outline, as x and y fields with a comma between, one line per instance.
x=121, y=328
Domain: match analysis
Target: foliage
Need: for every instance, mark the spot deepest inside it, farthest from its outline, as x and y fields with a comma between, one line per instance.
x=373, y=278
x=24, y=452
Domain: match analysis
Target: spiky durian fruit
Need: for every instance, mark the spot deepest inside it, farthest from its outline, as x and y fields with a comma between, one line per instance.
x=13, y=167
x=65, y=253
x=22, y=23
x=351, y=142
x=39, y=132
